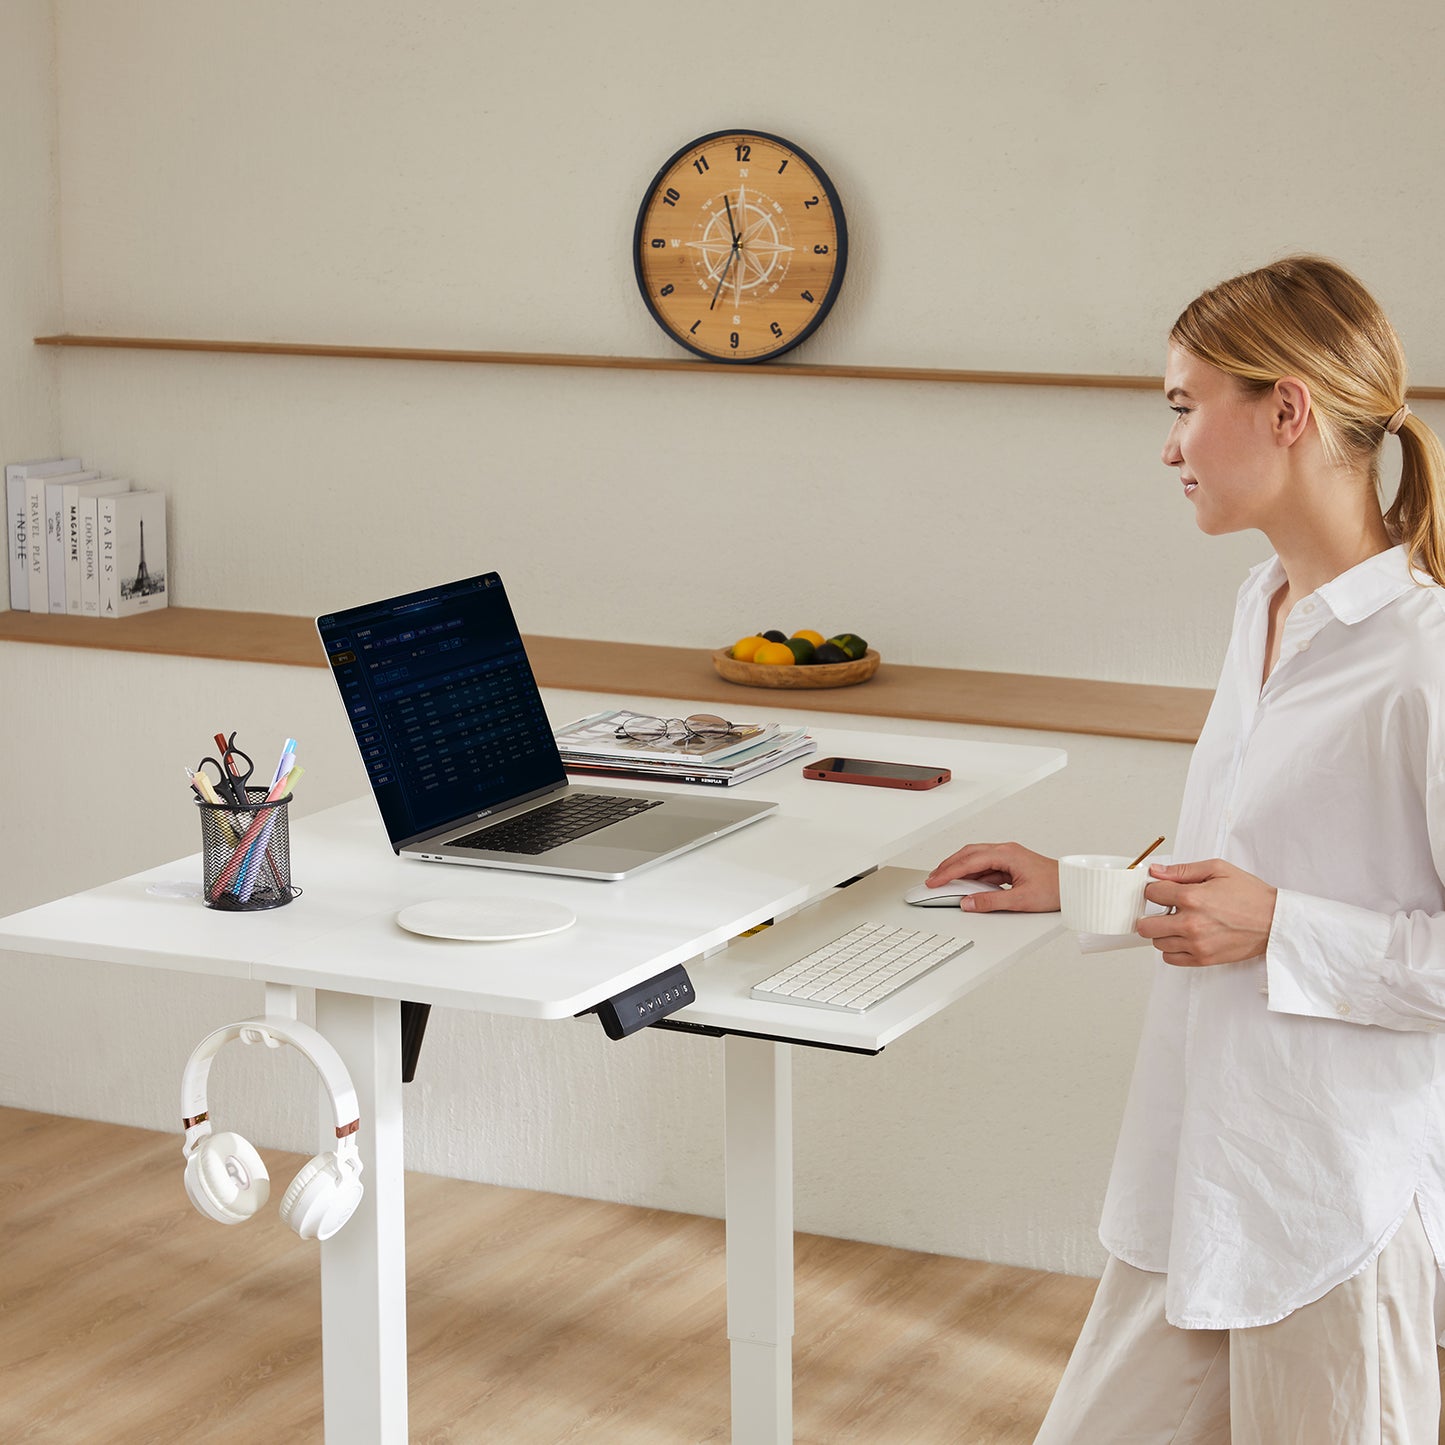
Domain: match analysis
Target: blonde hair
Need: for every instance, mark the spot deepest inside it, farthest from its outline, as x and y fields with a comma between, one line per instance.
x=1309, y=318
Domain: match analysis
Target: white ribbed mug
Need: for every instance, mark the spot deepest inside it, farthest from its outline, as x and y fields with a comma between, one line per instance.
x=1100, y=893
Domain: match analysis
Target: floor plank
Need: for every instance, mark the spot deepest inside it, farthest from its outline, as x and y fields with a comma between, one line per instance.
x=533, y=1319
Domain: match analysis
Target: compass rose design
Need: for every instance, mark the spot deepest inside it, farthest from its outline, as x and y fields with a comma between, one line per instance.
x=742, y=260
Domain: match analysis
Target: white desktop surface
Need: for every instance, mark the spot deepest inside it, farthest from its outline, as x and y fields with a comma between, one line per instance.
x=341, y=938
x=342, y=934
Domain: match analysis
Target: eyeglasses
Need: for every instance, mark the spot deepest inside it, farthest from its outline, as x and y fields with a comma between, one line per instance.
x=655, y=729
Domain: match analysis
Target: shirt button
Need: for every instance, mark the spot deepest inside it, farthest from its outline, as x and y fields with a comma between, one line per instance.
x=1304, y=647
x=1308, y=608
x=1343, y=1009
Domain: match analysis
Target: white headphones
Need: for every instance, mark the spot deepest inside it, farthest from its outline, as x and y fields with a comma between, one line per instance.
x=225, y=1177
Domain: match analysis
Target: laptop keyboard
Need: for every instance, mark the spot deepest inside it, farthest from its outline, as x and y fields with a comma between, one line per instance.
x=861, y=968
x=553, y=824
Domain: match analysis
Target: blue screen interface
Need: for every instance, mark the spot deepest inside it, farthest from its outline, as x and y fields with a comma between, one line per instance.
x=442, y=702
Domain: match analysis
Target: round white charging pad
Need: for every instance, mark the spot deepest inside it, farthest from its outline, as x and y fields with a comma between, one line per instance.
x=177, y=889
x=485, y=920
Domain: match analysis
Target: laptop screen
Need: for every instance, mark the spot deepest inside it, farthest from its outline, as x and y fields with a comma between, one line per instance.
x=442, y=701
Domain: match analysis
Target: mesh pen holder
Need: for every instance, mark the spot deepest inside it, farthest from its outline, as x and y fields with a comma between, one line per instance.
x=247, y=854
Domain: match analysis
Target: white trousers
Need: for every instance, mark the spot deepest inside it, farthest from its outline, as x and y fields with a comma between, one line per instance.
x=1356, y=1367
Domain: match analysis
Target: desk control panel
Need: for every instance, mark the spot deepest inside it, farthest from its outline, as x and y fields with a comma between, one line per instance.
x=646, y=1003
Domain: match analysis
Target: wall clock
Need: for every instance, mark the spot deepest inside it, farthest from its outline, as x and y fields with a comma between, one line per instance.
x=740, y=246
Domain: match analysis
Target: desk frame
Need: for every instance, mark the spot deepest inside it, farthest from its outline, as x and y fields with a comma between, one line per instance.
x=345, y=946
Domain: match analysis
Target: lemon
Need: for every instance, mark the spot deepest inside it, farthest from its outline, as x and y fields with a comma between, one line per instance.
x=776, y=654
x=816, y=638
x=745, y=647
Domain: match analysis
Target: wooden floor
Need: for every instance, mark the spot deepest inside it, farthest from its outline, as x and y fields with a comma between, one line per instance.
x=533, y=1318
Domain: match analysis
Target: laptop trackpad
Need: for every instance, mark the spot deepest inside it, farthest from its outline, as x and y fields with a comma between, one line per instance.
x=657, y=830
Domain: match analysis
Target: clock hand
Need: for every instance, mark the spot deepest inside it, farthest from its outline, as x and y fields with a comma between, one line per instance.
x=732, y=224
x=733, y=257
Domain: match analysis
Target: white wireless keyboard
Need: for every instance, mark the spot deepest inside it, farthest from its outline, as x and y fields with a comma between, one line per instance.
x=860, y=968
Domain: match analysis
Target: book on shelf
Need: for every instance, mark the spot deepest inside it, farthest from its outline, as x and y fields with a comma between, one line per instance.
x=17, y=522
x=55, y=536
x=596, y=736
x=41, y=533
x=131, y=528
x=76, y=497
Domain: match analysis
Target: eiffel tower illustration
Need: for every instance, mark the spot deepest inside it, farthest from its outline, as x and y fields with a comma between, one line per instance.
x=142, y=584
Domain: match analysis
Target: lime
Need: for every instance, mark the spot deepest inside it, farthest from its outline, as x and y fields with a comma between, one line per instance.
x=803, y=651
x=851, y=643
x=773, y=635
x=831, y=652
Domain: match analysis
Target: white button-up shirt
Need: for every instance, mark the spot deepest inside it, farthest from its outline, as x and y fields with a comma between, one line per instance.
x=1285, y=1111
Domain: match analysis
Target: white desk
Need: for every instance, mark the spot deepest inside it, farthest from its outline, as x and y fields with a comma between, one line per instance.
x=341, y=939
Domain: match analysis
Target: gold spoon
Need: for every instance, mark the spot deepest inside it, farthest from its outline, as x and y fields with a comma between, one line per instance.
x=1147, y=851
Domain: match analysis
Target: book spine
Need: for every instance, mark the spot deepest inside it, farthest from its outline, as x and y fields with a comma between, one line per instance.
x=109, y=600
x=35, y=542
x=71, y=511
x=643, y=777
x=89, y=559
x=55, y=545
x=16, y=533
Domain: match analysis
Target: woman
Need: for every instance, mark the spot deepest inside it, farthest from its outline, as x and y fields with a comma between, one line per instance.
x=1276, y=1212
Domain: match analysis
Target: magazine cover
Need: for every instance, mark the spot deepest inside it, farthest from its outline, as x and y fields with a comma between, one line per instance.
x=596, y=736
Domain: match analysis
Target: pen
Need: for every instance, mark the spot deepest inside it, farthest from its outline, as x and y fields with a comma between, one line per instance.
x=201, y=782
x=228, y=760
x=283, y=766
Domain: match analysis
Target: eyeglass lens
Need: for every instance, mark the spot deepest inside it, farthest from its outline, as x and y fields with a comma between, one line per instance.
x=698, y=725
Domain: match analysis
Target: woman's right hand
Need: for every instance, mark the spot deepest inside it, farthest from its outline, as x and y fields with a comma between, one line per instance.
x=1033, y=879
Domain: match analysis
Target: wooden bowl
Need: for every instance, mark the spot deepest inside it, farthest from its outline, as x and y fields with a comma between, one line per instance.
x=818, y=674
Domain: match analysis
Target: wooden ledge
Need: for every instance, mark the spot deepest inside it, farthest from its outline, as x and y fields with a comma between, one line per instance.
x=933, y=694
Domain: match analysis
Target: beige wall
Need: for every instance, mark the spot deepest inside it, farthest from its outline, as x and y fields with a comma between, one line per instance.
x=29, y=234
x=1037, y=186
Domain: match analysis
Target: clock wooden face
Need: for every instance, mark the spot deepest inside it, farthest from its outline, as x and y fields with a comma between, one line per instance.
x=740, y=246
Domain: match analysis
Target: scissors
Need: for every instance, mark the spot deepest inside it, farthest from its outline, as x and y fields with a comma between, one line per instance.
x=231, y=776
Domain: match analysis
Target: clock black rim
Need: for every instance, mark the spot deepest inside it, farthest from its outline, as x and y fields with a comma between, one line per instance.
x=834, y=285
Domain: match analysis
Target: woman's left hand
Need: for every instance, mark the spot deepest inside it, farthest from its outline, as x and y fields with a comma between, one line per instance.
x=1218, y=913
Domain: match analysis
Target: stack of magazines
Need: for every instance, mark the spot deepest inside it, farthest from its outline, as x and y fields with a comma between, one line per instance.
x=592, y=745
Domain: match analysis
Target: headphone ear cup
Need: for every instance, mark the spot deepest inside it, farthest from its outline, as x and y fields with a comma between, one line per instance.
x=321, y=1198
x=226, y=1179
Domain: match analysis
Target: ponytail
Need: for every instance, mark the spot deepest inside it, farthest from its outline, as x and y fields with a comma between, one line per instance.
x=1417, y=516
x=1308, y=317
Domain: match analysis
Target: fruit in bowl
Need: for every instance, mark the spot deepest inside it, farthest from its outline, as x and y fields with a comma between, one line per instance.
x=805, y=648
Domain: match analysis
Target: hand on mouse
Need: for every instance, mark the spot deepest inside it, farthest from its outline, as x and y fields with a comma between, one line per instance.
x=1034, y=878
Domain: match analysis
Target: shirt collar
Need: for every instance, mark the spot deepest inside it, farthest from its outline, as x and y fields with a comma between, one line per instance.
x=1355, y=594
x=1369, y=586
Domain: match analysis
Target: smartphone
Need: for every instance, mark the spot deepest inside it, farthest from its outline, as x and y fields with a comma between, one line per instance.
x=875, y=774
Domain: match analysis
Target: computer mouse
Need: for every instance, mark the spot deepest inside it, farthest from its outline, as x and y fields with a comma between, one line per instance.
x=946, y=895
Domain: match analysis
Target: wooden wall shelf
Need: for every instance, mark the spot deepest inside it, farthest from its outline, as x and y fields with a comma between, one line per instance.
x=618, y=363
x=934, y=694
x=638, y=363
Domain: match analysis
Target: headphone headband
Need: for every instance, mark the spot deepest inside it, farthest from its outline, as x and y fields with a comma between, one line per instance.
x=273, y=1032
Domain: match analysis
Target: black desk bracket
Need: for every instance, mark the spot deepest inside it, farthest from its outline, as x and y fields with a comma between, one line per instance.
x=717, y=1031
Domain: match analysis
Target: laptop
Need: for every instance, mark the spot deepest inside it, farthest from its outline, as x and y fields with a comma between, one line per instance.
x=460, y=755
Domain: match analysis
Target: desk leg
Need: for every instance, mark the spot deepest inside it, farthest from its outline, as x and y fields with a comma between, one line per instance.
x=363, y=1267
x=759, y=1154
